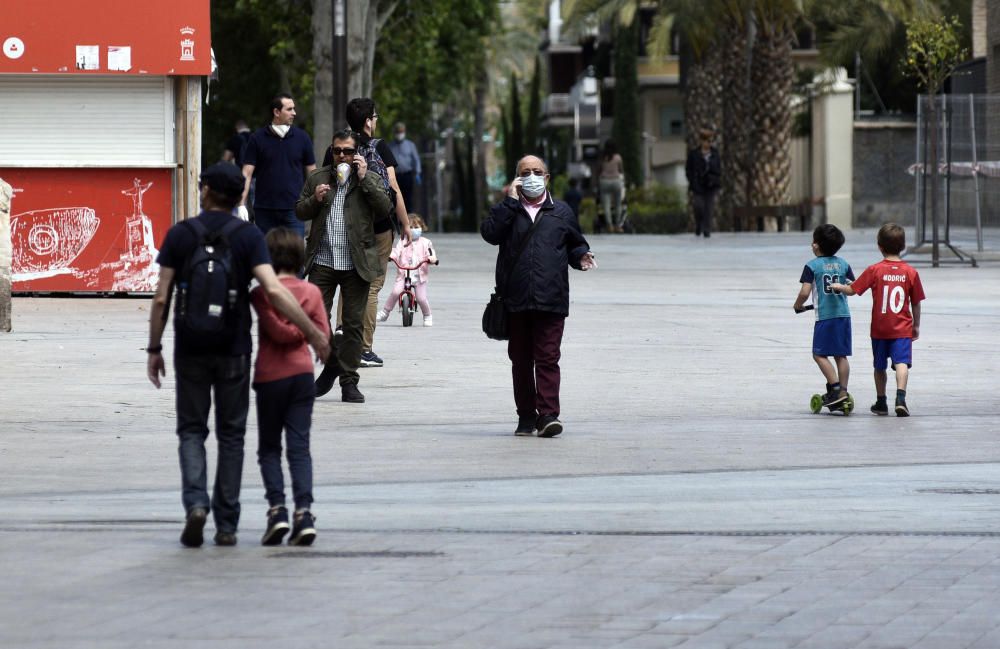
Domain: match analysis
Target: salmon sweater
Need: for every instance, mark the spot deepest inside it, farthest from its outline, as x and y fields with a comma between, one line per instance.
x=283, y=350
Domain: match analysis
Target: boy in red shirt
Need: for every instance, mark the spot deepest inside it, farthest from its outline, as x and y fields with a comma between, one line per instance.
x=283, y=381
x=896, y=290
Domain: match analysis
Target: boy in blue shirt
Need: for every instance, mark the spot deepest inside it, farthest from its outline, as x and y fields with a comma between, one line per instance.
x=832, y=332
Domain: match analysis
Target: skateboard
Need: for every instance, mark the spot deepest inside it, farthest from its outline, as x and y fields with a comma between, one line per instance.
x=846, y=407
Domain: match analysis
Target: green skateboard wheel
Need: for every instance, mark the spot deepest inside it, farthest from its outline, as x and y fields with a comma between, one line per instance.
x=849, y=405
x=816, y=403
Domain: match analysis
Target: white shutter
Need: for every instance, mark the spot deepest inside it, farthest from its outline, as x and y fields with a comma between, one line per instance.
x=71, y=121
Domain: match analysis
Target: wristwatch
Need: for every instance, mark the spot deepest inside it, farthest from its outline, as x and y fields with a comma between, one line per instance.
x=155, y=349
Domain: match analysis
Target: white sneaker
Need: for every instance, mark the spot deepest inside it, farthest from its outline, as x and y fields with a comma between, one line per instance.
x=382, y=316
x=428, y=321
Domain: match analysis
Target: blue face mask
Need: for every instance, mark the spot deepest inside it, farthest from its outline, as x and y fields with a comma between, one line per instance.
x=415, y=233
x=533, y=186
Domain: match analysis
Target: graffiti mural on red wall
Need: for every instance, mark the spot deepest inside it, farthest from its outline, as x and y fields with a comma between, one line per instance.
x=87, y=229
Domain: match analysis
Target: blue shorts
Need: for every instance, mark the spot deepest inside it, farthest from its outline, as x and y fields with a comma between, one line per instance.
x=900, y=350
x=832, y=337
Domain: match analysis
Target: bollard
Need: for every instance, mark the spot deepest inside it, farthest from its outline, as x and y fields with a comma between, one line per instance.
x=6, y=191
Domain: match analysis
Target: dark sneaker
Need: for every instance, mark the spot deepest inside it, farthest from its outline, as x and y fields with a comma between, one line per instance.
x=901, y=409
x=277, y=526
x=525, y=427
x=549, y=426
x=349, y=393
x=370, y=359
x=326, y=378
x=225, y=538
x=192, y=535
x=338, y=334
x=303, y=529
x=880, y=408
x=833, y=399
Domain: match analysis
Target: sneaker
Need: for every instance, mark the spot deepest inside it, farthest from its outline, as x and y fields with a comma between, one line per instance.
x=525, y=427
x=225, y=538
x=370, y=359
x=901, y=409
x=549, y=426
x=349, y=393
x=303, y=529
x=326, y=378
x=381, y=316
x=338, y=334
x=833, y=399
x=194, y=524
x=428, y=321
x=880, y=408
x=277, y=526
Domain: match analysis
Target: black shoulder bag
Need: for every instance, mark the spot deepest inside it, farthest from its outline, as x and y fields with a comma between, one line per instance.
x=495, y=314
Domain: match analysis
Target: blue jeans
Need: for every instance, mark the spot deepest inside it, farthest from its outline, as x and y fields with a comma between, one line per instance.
x=267, y=219
x=197, y=378
x=286, y=404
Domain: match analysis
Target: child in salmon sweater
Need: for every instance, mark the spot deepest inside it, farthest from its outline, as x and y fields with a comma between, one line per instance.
x=283, y=381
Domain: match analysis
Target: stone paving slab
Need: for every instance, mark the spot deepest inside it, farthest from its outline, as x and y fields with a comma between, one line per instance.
x=693, y=500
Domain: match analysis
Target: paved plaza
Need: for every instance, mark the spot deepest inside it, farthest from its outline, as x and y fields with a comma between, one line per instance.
x=692, y=501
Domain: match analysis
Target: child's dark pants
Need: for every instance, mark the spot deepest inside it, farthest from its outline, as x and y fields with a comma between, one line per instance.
x=287, y=405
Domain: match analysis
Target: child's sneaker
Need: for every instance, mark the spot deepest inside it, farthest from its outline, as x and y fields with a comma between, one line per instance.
x=880, y=408
x=303, y=529
x=428, y=321
x=833, y=399
x=901, y=409
x=382, y=316
x=277, y=526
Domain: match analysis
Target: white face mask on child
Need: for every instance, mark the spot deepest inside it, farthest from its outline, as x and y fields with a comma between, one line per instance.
x=415, y=233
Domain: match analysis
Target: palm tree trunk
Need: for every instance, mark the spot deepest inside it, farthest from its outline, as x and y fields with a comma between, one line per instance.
x=736, y=111
x=772, y=76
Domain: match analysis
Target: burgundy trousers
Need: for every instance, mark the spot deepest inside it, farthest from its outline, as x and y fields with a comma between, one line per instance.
x=533, y=348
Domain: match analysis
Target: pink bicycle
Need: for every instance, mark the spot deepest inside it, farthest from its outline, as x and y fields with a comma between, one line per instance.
x=408, y=299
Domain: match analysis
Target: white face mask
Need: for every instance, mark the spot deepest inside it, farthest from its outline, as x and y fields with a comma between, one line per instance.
x=400, y=137
x=280, y=129
x=415, y=233
x=533, y=186
x=343, y=173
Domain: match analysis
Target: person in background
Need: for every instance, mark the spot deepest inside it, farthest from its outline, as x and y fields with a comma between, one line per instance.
x=704, y=176
x=612, y=185
x=278, y=156
x=407, y=162
x=573, y=196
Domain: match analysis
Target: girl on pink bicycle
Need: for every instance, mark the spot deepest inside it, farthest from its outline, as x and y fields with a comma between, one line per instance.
x=416, y=257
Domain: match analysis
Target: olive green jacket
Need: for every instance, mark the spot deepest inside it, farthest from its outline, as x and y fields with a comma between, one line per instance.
x=365, y=203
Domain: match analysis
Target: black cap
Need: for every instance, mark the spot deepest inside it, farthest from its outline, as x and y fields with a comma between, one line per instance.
x=224, y=178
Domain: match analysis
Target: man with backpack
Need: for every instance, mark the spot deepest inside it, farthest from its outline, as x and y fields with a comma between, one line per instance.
x=363, y=119
x=210, y=260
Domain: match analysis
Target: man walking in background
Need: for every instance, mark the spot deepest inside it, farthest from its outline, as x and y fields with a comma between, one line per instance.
x=407, y=163
x=278, y=156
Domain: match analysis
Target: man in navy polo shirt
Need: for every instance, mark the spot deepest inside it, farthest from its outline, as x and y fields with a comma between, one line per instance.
x=279, y=156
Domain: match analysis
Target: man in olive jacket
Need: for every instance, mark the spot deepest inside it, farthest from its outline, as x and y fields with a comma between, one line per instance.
x=537, y=292
x=340, y=250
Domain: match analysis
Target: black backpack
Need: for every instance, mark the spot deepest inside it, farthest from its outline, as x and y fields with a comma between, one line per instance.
x=376, y=164
x=207, y=290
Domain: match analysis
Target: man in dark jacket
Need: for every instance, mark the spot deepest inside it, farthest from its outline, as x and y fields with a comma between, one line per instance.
x=704, y=175
x=535, y=288
x=343, y=201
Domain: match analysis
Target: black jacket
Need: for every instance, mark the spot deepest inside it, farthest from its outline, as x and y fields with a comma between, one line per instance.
x=540, y=281
x=703, y=177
